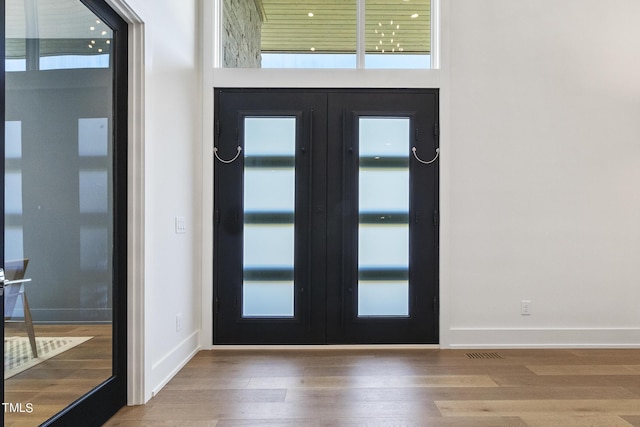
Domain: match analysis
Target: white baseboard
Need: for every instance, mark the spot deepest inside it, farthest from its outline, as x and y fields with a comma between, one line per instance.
x=167, y=367
x=543, y=338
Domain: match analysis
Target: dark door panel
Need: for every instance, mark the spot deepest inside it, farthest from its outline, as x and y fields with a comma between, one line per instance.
x=351, y=254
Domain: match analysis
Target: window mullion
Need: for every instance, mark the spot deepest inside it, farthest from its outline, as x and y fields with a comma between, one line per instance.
x=361, y=34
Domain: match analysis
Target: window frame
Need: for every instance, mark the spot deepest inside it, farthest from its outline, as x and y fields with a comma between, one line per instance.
x=218, y=40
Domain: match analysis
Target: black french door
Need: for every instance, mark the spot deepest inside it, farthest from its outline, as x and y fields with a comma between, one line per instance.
x=326, y=216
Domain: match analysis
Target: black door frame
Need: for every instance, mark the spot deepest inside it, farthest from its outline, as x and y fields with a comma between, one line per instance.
x=2, y=166
x=102, y=402
x=228, y=222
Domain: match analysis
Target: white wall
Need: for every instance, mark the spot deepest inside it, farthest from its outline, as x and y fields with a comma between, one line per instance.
x=544, y=173
x=172, y=164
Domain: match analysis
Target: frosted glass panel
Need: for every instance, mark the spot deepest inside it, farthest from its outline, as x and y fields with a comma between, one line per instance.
x=13, y=243
x=269, y=136
x=383, y=298
x=383, y=204
x=13, y=193
x=269, y=204
x=13, y=139
x=93, y=136
x=267, y=299
x=94, y=191
x=268, y=246
x=384, y=189
x=384, y=136
x=259, y=189
x=383, y=246
x=94, y=249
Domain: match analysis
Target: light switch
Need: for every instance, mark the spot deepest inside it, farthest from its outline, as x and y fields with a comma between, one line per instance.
x=181, y=225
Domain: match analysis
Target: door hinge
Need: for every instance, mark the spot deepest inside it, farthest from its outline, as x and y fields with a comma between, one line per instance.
x=436, y=130
x=436, y=306
x=217, y=305
x=216, y=217
x=217, y=128
x=417, y=134
x=436, y=218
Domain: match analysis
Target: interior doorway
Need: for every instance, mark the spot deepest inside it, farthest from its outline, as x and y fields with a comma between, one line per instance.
x=326, y=216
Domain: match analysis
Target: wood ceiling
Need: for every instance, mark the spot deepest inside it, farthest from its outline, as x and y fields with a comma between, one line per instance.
x=391, y=25
x=62, y=26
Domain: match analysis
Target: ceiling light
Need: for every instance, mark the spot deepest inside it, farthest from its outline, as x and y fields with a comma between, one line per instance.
x=313, y=49
x=104, y=33
x=92, y=28
x=415, y=15
x=310, y=14
x=108, y=41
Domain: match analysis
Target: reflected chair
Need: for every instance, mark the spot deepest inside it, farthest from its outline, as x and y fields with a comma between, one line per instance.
x=14, y=289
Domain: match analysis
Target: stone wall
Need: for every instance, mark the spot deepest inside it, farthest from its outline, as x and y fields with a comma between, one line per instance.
x=242, y=26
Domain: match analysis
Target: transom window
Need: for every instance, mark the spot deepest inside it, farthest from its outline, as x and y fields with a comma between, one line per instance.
x=394, y=34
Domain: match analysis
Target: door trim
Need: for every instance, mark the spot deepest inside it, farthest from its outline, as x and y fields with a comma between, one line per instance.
x=136, y=392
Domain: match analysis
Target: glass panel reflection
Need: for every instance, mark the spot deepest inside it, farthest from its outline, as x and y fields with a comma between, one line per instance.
x=59, y=202
x=383, y=232
x=398, y=34
x=269, y=203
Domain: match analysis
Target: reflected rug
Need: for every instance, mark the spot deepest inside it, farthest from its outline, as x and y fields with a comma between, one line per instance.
x=18, y=356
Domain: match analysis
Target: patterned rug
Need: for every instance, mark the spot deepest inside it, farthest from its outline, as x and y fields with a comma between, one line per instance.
x=18, y=356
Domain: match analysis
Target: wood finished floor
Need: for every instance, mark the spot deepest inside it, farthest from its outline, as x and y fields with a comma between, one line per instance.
x=55, y=383
x=385, y=388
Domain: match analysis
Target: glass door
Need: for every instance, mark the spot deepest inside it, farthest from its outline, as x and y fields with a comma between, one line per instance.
x=269, y=209
x=325, y=227
x=382, y=234
x=64, y=212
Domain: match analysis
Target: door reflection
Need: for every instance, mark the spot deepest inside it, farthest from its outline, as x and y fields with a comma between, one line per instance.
x=58, y=206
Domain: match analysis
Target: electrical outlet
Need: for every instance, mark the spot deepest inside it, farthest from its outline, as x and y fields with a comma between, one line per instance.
x=525, y=307
x=178, y=322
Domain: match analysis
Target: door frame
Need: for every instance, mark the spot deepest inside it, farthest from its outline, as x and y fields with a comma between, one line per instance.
x=428, y=113
x=104, y=400
x=2, y=166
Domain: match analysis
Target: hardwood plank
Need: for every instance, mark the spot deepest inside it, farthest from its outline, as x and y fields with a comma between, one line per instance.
x=585, y=369
x=576, y=421
x=541, y=407
x=373, y=381
x=302, y=396
x=633, y=420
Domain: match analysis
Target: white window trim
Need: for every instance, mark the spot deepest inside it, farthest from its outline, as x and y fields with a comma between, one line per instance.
x=218, y=45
